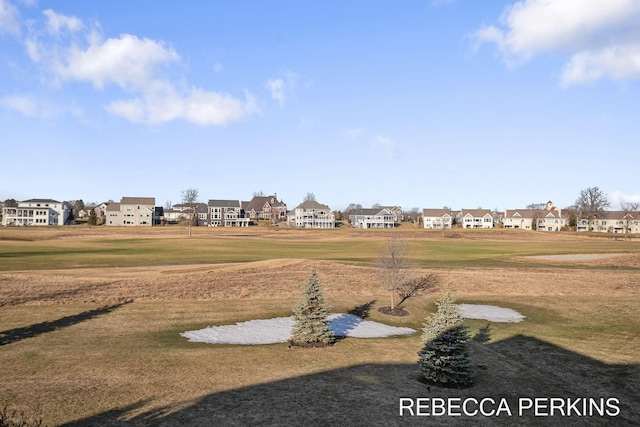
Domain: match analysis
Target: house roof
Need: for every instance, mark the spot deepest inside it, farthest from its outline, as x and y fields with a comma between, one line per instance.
x=368, y=211
x=436, y=212
x=312, y=204
x=138, y=201
x=531, y=213
x=475, y=212
x=40, y=201
x=258, y=202
x=111, y=207
x=224, y=203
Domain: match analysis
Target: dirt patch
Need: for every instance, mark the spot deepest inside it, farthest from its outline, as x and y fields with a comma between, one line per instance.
x=398, y=311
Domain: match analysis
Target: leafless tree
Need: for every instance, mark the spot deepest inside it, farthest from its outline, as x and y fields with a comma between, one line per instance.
x=591, y=203
x=628, y=208
x=190, y=198
x=310, y=197
x=393, y=267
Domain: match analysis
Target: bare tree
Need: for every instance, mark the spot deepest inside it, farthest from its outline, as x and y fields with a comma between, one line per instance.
x=628, y=208
x=259, y=194
x=536, y=206
x=394, y=266
x=190, y=198
x=310, y=197
x=591, y=203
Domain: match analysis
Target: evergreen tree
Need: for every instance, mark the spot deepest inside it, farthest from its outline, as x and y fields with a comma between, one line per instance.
x=311, y=328
x=444, y=357
x=93, y=219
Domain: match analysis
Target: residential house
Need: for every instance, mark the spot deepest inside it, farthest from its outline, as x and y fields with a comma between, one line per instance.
x=134, y=211
x=523, y=219
x=533, y=219
x=551, y=220
x=311, y=214
x=396, y=211
x=437, y=218
x=612, y=222
x=372, y=218
x=476, y=218
x=182, y=212
x=38, y=212
x=226, y=213
x=266, y=207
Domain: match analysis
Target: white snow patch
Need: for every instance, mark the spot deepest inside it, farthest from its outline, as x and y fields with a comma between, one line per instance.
x=271, y=331
x=491, y=313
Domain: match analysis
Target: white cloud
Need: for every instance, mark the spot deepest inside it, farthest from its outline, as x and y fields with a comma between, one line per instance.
x=9, y=19
x=276, y=86
x=57, y=22
x=139, y=66
x=24, y=104
x=618, y=62
x=597, y=35
x=617, y=198
x=283, y=87
x=128, y=61
x=195, y=105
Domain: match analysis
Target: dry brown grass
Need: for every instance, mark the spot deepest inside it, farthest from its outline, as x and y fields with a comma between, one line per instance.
x=100, y=345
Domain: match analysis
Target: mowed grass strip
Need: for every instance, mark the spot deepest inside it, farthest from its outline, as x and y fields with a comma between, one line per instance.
x=97, y=251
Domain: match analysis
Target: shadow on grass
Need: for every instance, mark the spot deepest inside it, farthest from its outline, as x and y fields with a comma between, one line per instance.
x=363, y=310
x=14, y=335
x=369, y=394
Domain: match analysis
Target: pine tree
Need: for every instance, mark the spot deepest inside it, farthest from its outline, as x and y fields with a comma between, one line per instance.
x=93, y=219
x=444, y=357
x=311, y=327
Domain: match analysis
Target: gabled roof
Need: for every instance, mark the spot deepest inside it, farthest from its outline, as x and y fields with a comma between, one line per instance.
x=224, y=203
x=370, y=211
x=40, y=201
x=312, y=205
x=138, y=201
x=391, y=208
x=475, y=212
x=436, y=212
x=258, y=203
x=113, y=207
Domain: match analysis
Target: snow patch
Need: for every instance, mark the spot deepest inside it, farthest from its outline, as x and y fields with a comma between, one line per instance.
x=491, y=313
x=271, y=331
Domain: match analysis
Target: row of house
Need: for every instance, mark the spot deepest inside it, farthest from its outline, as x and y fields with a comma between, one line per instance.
x=142, y=211
x=548, y=219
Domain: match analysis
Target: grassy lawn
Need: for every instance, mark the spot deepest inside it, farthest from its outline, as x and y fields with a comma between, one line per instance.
x=84, y=343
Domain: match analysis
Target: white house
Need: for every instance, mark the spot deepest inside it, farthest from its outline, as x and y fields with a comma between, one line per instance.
x=612, y=222
x=476, y=218
x=437, y=218
x=311, y=214
x=551, y=221
x=226, y=213
x=372, y=218
x=39, y=212
x=133, y=211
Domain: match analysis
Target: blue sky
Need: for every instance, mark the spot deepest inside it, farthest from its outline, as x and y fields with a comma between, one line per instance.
x=493, y=104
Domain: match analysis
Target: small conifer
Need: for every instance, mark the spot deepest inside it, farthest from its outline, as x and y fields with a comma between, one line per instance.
x=311, y=327
x=444, y=357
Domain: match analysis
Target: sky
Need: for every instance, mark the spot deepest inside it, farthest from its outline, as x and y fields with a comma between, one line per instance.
x=421, y=104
